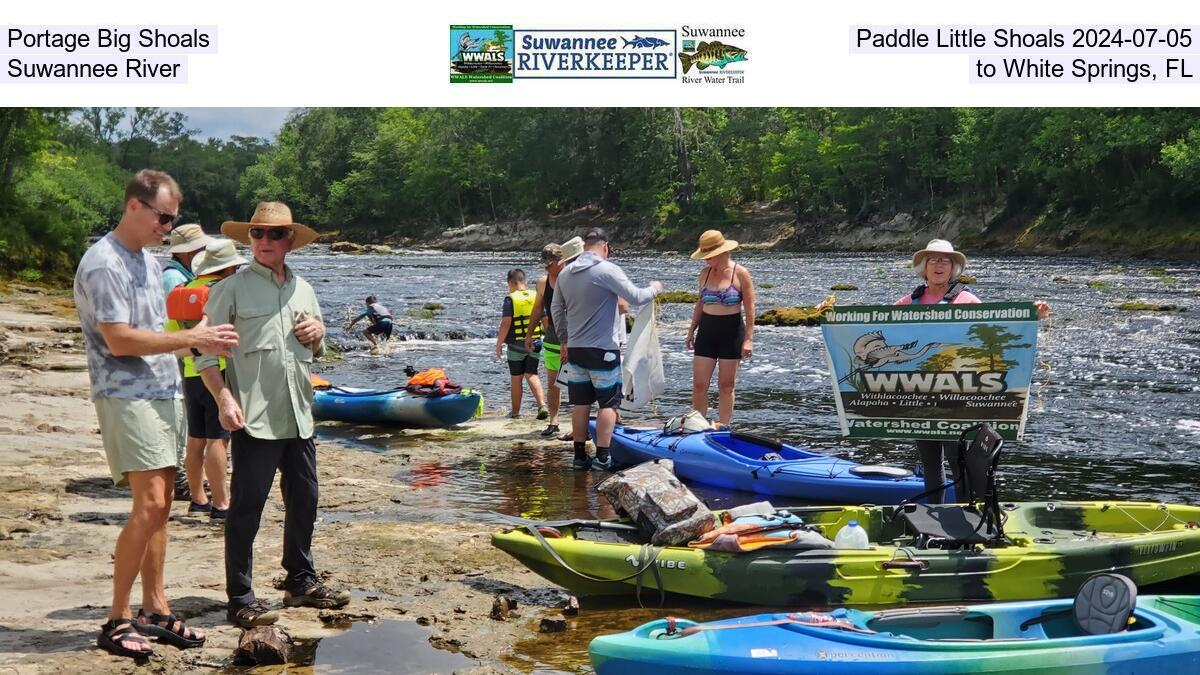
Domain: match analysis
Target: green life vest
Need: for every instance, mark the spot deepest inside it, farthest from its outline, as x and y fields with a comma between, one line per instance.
x=189, y=363
x=522, y=302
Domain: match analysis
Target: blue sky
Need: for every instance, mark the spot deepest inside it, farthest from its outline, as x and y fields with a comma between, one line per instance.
x=225, y=122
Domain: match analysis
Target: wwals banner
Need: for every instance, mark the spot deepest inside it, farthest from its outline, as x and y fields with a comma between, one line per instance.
x=931, y=371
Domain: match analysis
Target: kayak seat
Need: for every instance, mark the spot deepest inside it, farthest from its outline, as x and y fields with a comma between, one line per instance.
x=980, y=521
x=1104, y=604
x=946, y=524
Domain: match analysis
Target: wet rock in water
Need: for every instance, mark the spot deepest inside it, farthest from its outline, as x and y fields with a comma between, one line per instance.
x=263, y=645
x=843, y=287
x=502, y=607
x=553, y=624
x=331, y=617
x=967, y=279
x=426, y=620
x=676, y=297
x=790, y=316
x=446, y=644
x=572, y=607
x=347, y=247
x=1149, y=307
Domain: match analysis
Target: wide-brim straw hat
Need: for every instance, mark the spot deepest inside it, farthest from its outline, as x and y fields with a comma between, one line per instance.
x=571, y=249
x=940, y=247
x=218, y=255
x=712, y=243
x=187, y=238
x=270, y=214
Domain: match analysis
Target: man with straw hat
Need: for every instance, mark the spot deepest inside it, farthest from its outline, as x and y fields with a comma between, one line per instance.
x=185, y=242
x=265, y=399
x=207, y=440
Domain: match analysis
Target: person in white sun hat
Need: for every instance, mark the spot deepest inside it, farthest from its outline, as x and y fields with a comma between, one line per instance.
x=940, y=269
x=185, y=242
x=207, y=446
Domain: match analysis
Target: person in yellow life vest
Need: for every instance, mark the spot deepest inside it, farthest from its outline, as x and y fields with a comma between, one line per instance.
x=514, y=324
x=207, y=441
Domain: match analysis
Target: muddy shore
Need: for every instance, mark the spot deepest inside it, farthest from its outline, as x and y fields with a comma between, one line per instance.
x=60, y=516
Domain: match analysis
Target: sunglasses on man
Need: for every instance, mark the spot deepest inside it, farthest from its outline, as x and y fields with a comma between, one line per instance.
x=272, y=233
x=164, y=218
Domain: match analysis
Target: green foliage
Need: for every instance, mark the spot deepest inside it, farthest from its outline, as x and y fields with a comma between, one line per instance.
x=433, y=306
x=1097, y=284
x=993, y=341
x=766, y=285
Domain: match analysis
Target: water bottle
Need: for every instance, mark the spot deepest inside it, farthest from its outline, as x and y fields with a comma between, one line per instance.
x=851, y=536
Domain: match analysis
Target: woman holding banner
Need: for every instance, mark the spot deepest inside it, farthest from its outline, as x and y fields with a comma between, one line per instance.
x=939, y=266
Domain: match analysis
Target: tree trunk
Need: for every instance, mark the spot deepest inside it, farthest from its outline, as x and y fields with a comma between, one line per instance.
x=681, y=151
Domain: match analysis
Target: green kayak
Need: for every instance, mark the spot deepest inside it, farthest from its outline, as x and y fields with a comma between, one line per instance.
x=1039, y=550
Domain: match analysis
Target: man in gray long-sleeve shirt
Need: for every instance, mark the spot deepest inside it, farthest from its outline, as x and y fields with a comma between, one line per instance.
x=588, y=323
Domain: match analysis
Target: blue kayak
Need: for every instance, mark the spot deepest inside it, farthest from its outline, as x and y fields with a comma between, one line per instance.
x=396, y=406
x=1161, y=636
x=740, y=461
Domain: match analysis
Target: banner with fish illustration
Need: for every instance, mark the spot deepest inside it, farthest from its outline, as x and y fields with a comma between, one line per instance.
x=931, y=371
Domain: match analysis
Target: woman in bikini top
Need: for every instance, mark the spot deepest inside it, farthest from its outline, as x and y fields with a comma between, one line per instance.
x=722, y=324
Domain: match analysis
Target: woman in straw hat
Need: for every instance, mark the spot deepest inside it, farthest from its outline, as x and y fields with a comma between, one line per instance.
x=940, y=267
x=722, y=323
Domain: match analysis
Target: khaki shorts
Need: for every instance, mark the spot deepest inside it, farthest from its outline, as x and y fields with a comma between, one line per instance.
x=140, y=434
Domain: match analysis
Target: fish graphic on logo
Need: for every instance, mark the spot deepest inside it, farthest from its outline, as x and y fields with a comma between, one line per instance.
x=644, y=42
x=712, y=53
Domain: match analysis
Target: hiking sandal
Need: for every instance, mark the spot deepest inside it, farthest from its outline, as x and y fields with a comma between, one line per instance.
x=550, y=430
x=115, y=632
x=168, y=628
x=254, y=614
x=317, y=595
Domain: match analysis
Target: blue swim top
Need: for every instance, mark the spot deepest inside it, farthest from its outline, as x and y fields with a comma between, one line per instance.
x=728, y=296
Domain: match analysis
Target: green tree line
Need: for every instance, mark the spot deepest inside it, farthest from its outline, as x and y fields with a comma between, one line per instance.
x=408, y=171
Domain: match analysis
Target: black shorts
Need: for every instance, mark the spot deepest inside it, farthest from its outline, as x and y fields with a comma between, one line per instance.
x=203, y=414
x=720, y=337
x=383, y=328
x=593, y=376
x=519, y=362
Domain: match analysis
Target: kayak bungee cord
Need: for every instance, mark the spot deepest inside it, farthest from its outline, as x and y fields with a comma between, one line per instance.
x=1167, y=516
x=647, y=556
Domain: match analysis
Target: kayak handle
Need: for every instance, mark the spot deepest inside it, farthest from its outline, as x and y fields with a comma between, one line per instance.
x=904, y=565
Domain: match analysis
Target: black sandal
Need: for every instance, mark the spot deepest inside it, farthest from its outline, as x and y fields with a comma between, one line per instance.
x=116, y=631
x=550, y=430
x=167, y=628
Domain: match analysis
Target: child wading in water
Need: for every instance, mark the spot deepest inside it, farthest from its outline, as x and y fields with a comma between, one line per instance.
x=514, y=324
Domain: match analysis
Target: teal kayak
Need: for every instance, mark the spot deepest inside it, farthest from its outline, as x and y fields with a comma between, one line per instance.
x=1162, y=635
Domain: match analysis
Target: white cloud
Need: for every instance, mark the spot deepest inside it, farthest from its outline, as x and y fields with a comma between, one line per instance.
x=226, y=122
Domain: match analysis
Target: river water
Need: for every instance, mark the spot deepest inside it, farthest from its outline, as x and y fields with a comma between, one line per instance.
x=1115, y=409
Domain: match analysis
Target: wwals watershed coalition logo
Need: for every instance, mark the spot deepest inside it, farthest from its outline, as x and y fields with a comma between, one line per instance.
x=709, y=50
x=501, y=54
x=481, y=53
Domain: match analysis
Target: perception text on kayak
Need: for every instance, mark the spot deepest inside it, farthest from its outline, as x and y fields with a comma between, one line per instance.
x=102, y=53
x=1086, y=54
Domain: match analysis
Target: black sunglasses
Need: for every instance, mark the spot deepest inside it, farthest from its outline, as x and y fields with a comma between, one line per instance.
x=164, y=218
x=272, y=233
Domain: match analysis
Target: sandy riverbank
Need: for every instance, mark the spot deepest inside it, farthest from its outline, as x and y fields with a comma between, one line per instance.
x=60, y=516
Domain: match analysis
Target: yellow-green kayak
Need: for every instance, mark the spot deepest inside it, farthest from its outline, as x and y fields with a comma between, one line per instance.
x=1049, y=549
